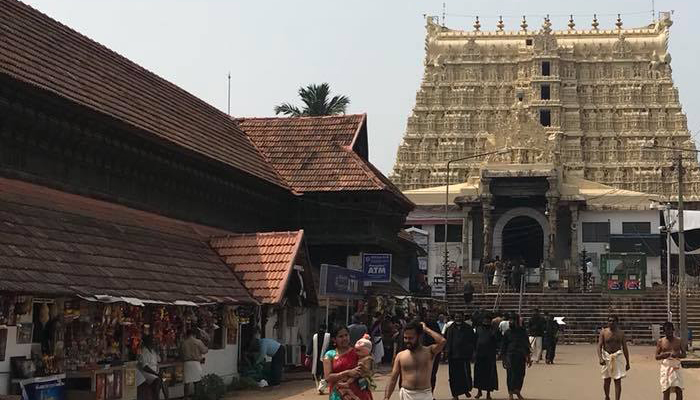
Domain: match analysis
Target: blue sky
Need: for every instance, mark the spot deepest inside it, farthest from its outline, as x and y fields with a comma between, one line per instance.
x=370, y=50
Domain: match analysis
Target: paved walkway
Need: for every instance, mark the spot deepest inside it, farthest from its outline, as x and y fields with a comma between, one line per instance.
x=576, y=376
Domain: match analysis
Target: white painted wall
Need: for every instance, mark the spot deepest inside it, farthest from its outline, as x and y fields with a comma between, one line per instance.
x=616, y=218
x=436, y=251
x=223, y=362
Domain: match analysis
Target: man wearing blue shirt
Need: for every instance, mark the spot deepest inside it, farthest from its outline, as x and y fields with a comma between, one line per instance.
x=272, y=348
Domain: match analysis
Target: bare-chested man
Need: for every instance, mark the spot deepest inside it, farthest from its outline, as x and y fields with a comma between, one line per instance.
x=669, y=351
x=612, y=345
x=415, y=364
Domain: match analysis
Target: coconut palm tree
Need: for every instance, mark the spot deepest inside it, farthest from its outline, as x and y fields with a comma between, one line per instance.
x=316, y=103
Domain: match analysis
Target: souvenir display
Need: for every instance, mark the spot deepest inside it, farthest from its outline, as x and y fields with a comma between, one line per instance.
x=7, y=310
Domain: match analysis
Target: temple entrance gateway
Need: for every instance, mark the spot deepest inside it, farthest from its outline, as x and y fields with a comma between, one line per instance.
x=522, y=231
x=523, y=237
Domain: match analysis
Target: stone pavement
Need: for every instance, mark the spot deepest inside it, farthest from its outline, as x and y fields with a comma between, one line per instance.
x=576, y=376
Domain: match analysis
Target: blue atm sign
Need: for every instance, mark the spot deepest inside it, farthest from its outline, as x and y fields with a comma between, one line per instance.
x=376, y=267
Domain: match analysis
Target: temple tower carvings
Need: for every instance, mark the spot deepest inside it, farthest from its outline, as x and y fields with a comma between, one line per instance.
x=582, y=100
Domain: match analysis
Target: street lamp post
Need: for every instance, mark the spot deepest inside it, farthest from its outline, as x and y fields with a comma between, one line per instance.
x=667, y=228
x=447, y=201
x=682, y=287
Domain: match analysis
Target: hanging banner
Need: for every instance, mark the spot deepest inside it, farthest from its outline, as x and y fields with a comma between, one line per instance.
x=340, y=282
x=377, y=267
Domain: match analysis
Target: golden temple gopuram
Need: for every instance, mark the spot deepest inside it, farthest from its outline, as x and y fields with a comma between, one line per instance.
x=583, y=100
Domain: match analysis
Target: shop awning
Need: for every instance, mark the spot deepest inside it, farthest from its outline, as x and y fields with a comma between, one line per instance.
x=60, y=244
x=691, y=230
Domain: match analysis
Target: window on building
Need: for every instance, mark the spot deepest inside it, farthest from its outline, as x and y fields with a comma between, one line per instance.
x=545, y=68
x=544, y=92
x=545, y=118
x=528, y=42
x=596, y=232
x=454, y=233
x=631, y=228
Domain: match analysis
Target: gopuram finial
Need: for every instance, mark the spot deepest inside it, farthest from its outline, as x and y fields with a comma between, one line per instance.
x=571, y=22
x=618, y=24
x=547, y=25
x=500, y=24
x=595, y=22
x=523, y=25
x=477, y=24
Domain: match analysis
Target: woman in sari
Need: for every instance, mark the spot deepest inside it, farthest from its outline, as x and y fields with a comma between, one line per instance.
x=340, y=367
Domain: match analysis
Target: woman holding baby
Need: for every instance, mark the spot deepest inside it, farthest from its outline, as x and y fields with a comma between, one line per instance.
x=346, y=369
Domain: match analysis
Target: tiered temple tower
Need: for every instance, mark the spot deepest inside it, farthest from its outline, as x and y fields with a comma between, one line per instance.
x=585, y=100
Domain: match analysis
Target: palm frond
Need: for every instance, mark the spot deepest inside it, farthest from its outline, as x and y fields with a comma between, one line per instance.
x=288, y=110
x=316, y=102
x=338, y=105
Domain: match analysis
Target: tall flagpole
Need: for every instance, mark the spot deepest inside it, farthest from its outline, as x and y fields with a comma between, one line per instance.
x=228, y=108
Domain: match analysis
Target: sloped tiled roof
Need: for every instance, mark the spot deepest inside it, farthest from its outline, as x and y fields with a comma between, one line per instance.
x=315, y=154
x=56, y=243
x=263, y=261
x=42, y=52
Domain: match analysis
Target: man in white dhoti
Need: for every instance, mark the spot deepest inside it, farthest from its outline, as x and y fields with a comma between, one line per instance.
x=670, y=351
x=612, y=347
x=193, y=351
x=414, y=365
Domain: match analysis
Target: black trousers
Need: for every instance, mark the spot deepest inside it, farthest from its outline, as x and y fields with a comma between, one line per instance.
x=516, y=372
x=277, y=367
x=433, y=375
x=460, y=376
x=468, y=297
x=551, y=346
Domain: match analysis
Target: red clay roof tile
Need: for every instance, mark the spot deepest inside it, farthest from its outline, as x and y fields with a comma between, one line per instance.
x=57, y=243
x=263, y=261
x=42, y=52
x=315, y=154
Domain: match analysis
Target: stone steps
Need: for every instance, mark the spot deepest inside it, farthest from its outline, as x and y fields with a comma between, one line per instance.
x=585, y=313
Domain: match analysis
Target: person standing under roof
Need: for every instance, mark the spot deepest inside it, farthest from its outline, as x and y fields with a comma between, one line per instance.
x=193, y=351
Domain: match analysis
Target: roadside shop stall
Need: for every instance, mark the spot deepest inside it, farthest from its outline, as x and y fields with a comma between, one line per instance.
x=87, y=348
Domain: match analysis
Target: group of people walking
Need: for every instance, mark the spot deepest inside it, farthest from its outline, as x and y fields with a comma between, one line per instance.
x=482, y=339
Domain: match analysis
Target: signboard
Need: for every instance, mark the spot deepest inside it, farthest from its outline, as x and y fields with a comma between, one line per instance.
x=355, y=262
x=423, y=264
x=438, y=289
x=340, y=282
x=377, y=267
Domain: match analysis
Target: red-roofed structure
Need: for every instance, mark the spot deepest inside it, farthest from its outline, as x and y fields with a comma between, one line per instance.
x=319, y=154
x=115, y=182
x=54, y=243
x=271, y=265
x=46, y=54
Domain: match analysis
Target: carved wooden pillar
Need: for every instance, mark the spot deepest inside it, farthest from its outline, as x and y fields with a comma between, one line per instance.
x=552, y=206
x=573, y=208
x=467, y=241
x=486, y=207
x=552, y=203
